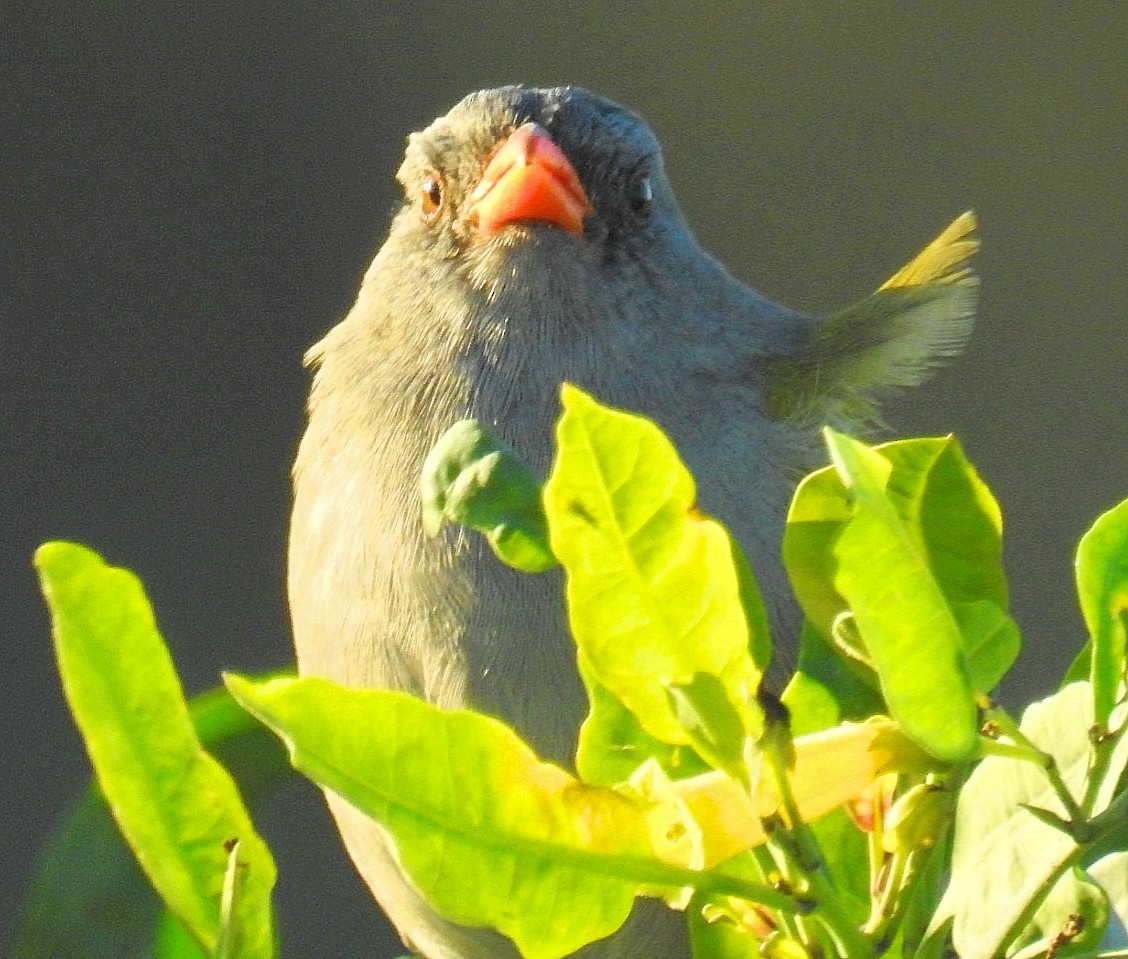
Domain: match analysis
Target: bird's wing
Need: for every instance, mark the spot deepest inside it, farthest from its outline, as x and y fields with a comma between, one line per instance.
x=896, y=337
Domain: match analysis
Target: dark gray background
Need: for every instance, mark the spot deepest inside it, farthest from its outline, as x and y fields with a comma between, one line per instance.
x=191, y=192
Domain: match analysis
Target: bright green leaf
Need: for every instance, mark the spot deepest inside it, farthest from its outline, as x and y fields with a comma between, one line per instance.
x=948, y=519
x=1102, y=586
x=654, y=595
x=819, y=511
x=755, y=613
x=89, y=898
x=909, y=629
x=811, y=704
x=933, y=487
x=175, y=804
x=716, y=730
x=488, y=833
x=827, y=688
x=845, y=850
x=612, y=743
x=991, y=642
x=1080, y=669
x=474, y=478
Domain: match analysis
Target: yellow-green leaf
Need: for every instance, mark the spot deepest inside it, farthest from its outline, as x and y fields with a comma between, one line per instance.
x=902, y=543
x=1102, y=587
x=654, y=594
x=176, y=806
x=489, y=834
x=909, y=628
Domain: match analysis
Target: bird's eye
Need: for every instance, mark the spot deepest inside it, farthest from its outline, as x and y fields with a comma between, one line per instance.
x=431, y=196
x=640, y=195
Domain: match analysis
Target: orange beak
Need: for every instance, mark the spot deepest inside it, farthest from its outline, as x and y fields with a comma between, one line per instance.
x=529, y=179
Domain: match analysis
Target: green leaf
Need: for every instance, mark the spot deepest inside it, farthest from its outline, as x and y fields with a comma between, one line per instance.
x=755, y=613
x=819, y=512
x=488, y=833
x=175, y=805
x=173, y=941
x=909, y=629
x=811, y=704
x=1111, y=872
x=718, y=937
x=722, y=928
x=1080, y=669
x=934, y=487
x=254, y=757
x=654, y=595
x=827, y=688
x=474, y=478
x=1002, y=854
x=1076, y=894
x=845, y=851
x=944, y=517
x=716, y=730
x=89, y=898
x=612, y=743
x=1102, y=587
x=934, y=945
x=943, y=525
x=937, y=491
x=923, y=896
x=990, y=640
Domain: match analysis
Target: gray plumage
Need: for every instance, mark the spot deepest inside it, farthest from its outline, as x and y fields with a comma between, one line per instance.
x=451, y=323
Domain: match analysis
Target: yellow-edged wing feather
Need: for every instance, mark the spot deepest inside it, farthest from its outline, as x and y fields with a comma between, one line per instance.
x=896, y=337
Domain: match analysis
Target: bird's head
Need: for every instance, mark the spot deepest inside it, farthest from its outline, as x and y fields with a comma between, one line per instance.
x=555, y=173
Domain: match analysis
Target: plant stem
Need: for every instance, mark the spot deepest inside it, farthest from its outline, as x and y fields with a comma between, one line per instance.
x=993, y=747
x=1023, y=748
x=787, y=919
x=874, y=842
x=849, y=941
x=786, y=860
x=1020, y=918
x=1103, y=751
x=853, y=942
x=885, y=906
x=802, y=860
x=716, y=883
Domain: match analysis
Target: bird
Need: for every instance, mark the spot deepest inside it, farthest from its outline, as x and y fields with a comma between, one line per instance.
x=539, y=242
